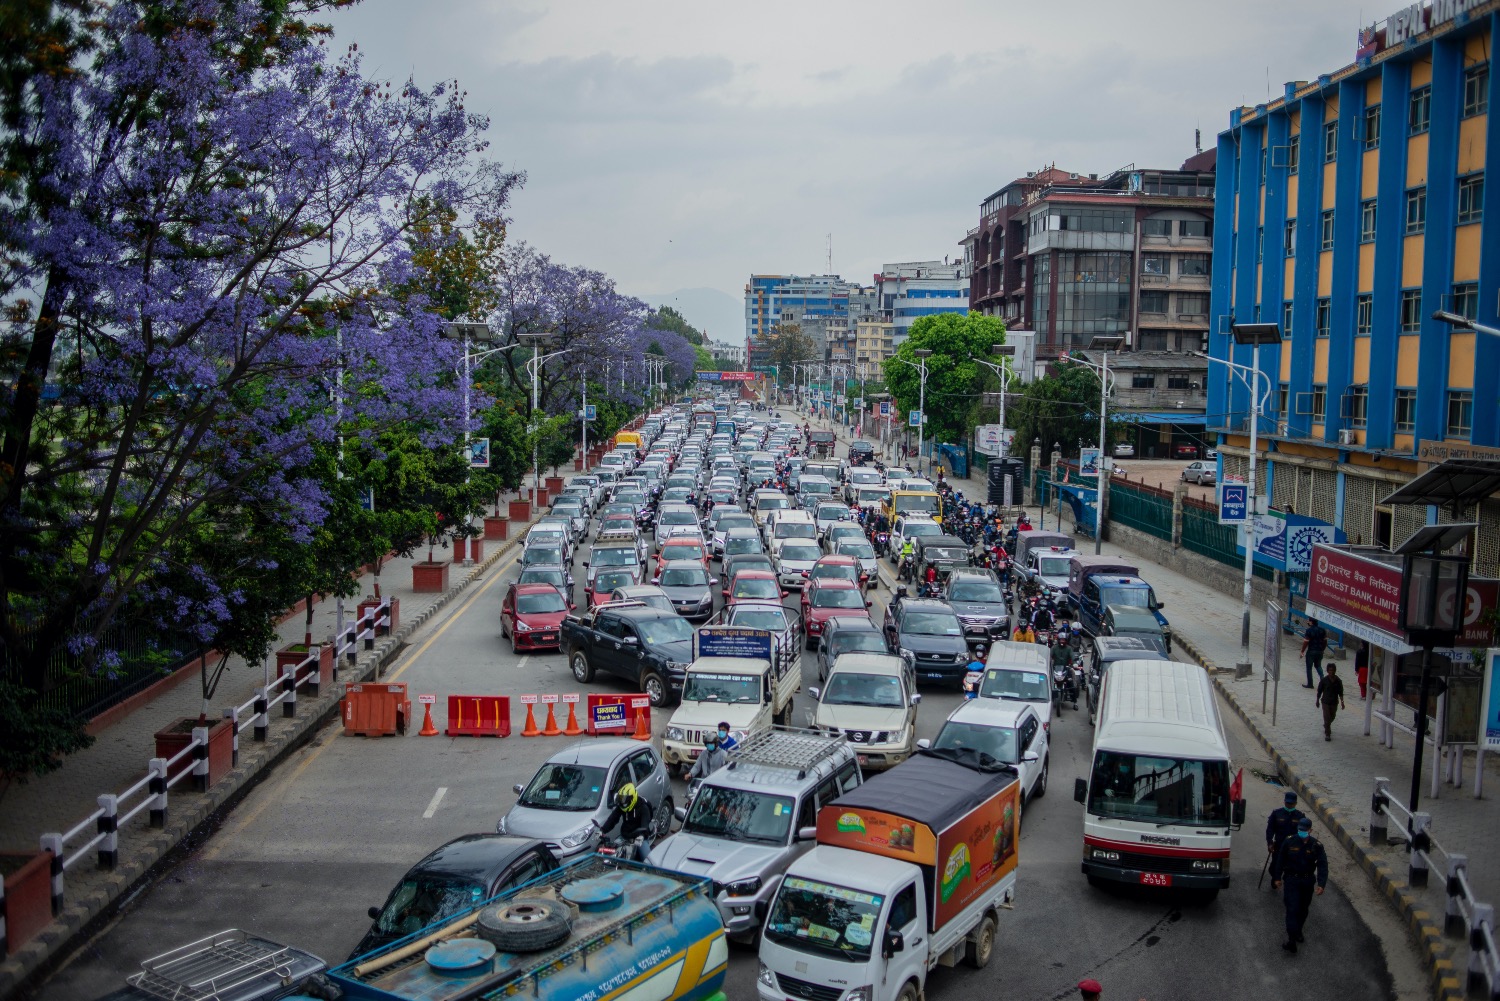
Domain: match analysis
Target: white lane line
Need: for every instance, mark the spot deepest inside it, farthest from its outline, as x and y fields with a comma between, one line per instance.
x=521, y=664
x=437, y=798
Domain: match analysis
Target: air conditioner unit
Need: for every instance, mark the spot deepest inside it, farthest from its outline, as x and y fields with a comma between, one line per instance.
x=1346, y=437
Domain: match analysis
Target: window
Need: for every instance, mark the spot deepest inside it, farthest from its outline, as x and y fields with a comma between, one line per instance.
x=1282, y=395
x=1372, y=127
x=1364, y=314
x=1330, y=141
x=1155, y=265
x=1142, y=380
x=1325, y=237
x=1411, y=311
x=1354, y=405
x=1262, y=165
x=1179, y=380
x=1419, y=115
x=1156, y=227
x=1460, y=413
x=1416, y=211
x=1476, y=90
x=1470, y=198
x=903, y=907
x=1192, y=304
x=1324, y=315
x=1153, y=302
x=1289, y=238
x=1193, y=265
x=1367, y=221
x=1260, y=244
x=1286, y=318
x=1293, y=153
x=1196, y=227
x=1319, y=404
x=1466, y=300
x=1406, y=410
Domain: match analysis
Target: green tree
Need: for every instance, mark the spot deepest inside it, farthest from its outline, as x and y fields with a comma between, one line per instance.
x=786, y=345
x=1061, y=408
x=667, y=318
x=953, y=379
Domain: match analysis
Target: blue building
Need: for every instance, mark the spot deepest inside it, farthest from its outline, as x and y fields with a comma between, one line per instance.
x=914, y=289
x=809, y=297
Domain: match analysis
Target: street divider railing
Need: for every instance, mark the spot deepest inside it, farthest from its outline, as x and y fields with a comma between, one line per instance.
x=1463, y=914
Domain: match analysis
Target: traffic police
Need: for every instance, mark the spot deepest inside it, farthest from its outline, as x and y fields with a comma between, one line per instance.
x=1282, y=823
x=1301, y=868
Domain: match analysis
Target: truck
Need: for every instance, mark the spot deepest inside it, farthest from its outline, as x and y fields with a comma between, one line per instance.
x=1042, y=556
x=912, y=870
x=1096, y=582
x=648, y=647
x=820, y=443
x=242, y=965
x=740, y=675
x=599, y=928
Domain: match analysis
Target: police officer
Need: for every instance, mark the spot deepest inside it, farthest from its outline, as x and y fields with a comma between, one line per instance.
x=1301, y=867
x=1282, y=824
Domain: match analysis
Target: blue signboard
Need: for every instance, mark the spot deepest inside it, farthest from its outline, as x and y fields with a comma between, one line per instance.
x=914, y=419
x=885, y=410
x=590, y=412
x=1284, y=541
x=609, y=716
x=1234, y=503
x=709, y=376
x=732, y=641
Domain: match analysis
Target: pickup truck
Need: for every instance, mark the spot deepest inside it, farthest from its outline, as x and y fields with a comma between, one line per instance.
x=259, y=968
x=602, y=927
x=912, y=870
x=1096, y=582
x=1048, y=567
x=648, y=647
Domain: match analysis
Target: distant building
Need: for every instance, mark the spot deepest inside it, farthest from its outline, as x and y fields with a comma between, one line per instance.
x=728, y=351
x=812, y=299
x=914, y=289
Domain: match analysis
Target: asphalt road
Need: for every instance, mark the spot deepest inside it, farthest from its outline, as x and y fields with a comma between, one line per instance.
x=337, y=825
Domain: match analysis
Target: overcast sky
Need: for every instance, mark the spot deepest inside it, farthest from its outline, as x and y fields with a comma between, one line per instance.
x=685, y=145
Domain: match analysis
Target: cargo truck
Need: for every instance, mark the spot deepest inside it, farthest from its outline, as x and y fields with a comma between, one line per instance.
x=739, y=675
x=911, y=871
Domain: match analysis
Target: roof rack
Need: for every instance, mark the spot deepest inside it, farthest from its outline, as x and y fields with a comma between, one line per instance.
x=787, y=747
x=212, y=967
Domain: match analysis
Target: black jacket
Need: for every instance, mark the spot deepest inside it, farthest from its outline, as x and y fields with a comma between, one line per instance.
x=1301, y=858
x=636, y=823
x=1280, y=825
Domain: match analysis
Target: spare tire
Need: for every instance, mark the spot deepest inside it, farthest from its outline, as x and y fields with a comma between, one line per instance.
x=524, y=924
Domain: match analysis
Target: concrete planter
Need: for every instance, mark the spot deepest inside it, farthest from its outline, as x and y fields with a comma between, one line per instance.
x=496, y=528
x=429, y=578
x=369, y=603
x=473, y=548
x=288, y=657
x=540, y=497
x=170, y=741
x=28, y=896
x=520, y=511
x=577, y=463
x=555, y=485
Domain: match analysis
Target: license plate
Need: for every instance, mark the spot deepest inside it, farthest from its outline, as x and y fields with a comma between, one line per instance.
x=863, y=759
x=933, y=674
x=547, y=636
x=1156, y=879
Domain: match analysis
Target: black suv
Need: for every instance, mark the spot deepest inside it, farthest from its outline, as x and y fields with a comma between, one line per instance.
x=861, y=452
x=979, y=601
x=848, y=634
x=929, y=636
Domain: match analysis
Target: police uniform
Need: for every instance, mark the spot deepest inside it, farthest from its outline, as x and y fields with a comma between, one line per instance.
x=1300, y=865
x=1280, y=825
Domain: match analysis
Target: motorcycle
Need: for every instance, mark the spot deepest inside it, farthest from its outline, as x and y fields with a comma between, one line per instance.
x=1065, y=685
x=631, y=849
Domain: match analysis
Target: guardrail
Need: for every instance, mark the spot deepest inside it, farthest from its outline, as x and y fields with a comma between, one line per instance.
x=1463, y=914
x=115, y=810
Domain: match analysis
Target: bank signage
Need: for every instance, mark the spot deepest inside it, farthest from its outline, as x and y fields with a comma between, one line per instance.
x=1442, y=451
x=1409, y=22
x=1368, y=592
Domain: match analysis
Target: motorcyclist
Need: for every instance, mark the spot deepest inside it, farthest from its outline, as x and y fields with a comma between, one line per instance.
x=1023, y=633
x=1041, y=619
x=711, y=760
x=975, y=667
x=633, y=815
x=908, y=553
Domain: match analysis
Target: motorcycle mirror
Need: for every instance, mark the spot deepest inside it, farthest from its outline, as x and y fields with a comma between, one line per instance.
x=1080, y=790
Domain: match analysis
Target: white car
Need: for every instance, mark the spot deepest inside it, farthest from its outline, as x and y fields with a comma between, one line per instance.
x=1200, y=472
x=1017, y=683
x=869, y=700
x=1124, y=451
x=794, y=561
x=912, y=527
x=673, y=516
x=828, y=514
x=1011, y=732
x=862, y=551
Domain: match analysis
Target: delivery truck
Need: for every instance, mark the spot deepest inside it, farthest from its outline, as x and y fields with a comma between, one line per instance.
x=911, y=871
x=739, y=675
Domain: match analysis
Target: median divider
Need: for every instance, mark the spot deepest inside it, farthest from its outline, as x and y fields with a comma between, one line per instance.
x=480, y=716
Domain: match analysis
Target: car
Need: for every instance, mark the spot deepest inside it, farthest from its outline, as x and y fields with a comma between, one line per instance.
x=689, y=586
x=861, y=452
x=1009, y=732
x=979, y=601
x=841, y=530
x=546, y=554
x=753, y=585
x=848, y=635
x=531, y=617
x=647, y=594
x=576, y=512
x=1124, y=450
x=568, y=799
x=869, y=699
x=928, y=632
x=830, y=513
x=760, y=615
x=828, y=599
x=1200, y=472
x=911, y=527
x=648, y=648
x=677, y=495
x=744, y=561
x=859, y=550
x=671, y=516
x=1185, y=450
x=607, y=581
x=680, y=548
x=461, y=873
x=740, y=542
x=1132, y=620
x=734, y=521
x=1008, y=680
x=553, y=575
x=794, y=562
x=838, y=568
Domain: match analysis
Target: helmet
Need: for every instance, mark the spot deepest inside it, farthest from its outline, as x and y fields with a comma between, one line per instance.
x=626, y=798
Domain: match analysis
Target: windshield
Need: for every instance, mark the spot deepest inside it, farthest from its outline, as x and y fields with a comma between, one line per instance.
x=616, y=557
x=1027, y=686
x=737, y=689
x=857, y=641
x=771, y=504
x=565, y=787
x=859, y=550
x=693, y=576
x=542, y=555
x=911, y=503
x=845, y=688
x=736, y=547
x=1160, y=790
x=822, y=918
x=837, y=597
x=756, y=587
x=740, y=815
x=796, y=530
x=1052, y=566
x=1138, y=597
x=832, y=512
x=835, y=571
x=731, y=521
x=932, y=624
x=608, y=580
x=864, y=476
x=918, y=529
x=976, y=590
x=809, y=485
x=758, y=618
x=659, y=631
x=796, y=551
x=533, y=575
x=871, y=495
x=534, y=604
x=682, y=551
x=679, y=518
x=999, y=742
x=417, y=903
x=944, y=553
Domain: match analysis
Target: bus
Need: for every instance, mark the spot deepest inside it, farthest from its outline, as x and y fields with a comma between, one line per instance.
x=1159, y=805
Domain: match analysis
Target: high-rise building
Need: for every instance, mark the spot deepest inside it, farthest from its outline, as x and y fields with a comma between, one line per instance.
x=815, y=299
x=1350, y=245
x=913, y=289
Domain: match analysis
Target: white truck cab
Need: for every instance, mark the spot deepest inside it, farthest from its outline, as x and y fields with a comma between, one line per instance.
x=741, y=676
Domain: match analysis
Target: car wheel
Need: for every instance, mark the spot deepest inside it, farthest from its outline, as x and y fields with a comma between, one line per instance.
x=662, y=826
x=1041, y=783
x=655, y=689
x=583, y=671
x=983, y=945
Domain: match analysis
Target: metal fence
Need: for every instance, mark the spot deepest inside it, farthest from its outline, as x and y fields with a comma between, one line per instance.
x=83, y=689
x=1141, y=508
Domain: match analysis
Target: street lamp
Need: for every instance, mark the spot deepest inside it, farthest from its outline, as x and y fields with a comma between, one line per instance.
x=535, y=365
x=1462, y=323
x=1103, y=343
x=470, y=333
x=921, y=366
x=1006, y=375
x=1253, y=334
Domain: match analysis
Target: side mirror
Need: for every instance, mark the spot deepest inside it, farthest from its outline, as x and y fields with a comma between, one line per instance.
x=1031, y=756
x=815, y=692
x=869, y=603
x=783, y=594
x=1237, y=813
x=894, y=942
x=656, y=580
x=585, y=564
x=680, y=813
x=1080, y=790
x=924, y=743
x=807, y=834
x=632, y=640
x=519, y=788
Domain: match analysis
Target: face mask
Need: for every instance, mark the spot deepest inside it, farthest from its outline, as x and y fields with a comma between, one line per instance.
x=1303, y=834
x=723, y=734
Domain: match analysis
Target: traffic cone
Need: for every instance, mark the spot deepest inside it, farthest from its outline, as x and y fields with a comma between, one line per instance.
x=642, y=725
x=530, y=730
x=572, y=729
x=551, y=730
x=428, y=729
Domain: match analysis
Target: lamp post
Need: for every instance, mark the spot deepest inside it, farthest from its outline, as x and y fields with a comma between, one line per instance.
x=1254, y=334
x=1006, y=375
x=921, y=366
x=535, y=364
x=1103, y=343
x=470, y=333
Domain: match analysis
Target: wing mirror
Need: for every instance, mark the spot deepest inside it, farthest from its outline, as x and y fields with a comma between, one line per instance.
x=924, y=743
x=631, y=640
x=894, y=942
x=374, y=913
x=807, y=834
x=1080, y=790
x=815, y=692
x=916, y=698
x=519, y=788
x=680, y=813
x=1237, y=813
x=1031, y=756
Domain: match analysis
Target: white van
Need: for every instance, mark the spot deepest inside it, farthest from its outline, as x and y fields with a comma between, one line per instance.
x=1157, y=803
x=1019, y=672
x=789, y=523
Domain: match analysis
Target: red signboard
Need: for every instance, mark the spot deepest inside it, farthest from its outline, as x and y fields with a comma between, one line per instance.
x=1369, y=591
x=736, y=376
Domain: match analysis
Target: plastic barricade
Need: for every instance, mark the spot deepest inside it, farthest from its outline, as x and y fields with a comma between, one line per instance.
x=478, y=716
x=376, y=710
x=615, y=715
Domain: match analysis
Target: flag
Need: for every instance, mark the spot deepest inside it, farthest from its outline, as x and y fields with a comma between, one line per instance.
x=1237, y=787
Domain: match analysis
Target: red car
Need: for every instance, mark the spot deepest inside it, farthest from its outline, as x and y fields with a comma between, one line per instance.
x=831, y=598
x=679, y=548
x=532, y=615
x=753, y=585
x=835, y=567
x=606, y=581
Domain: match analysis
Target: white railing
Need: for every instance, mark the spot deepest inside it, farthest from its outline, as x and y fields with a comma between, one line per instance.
x=150, y=793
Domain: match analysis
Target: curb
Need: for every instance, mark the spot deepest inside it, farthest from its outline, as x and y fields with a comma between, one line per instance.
x=94, y=896
x=1436, y=952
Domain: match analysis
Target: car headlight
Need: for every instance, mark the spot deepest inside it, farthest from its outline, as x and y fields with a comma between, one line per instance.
x=674, y=733
x=743, y=887
x=578, y=837
x=676, y=665
x=500, y=826
x=1100, y=855
x=1207, y=864
x=522, y=627
x=860, y=994
x=764, y=975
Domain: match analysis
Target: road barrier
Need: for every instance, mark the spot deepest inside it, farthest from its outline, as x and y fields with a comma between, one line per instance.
x=376, y=710
x=530, y=728
x=478, y=716
x=429, y=728
x=550, y=728
x=572, y=729
x=614, y=715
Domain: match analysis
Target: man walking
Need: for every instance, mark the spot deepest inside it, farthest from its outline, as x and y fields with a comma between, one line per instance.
x=1330, y=691
x=1301, y=867
x=1314, y=642
x=1282, y=823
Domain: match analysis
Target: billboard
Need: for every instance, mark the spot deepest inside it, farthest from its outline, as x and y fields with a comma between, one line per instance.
x=1368, y=592
x=1285, y=541
x=993, y=440
x=1234, y=503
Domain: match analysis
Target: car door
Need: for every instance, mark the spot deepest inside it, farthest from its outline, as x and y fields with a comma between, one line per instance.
x=608, y=653
x=508, y=612
x=650, y=780
x=903, y=918
x=524, y=870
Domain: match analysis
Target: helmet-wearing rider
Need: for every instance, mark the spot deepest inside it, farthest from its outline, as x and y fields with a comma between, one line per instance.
x=631, y=812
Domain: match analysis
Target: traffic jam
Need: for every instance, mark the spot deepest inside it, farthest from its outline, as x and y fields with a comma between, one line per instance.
x=780, y=610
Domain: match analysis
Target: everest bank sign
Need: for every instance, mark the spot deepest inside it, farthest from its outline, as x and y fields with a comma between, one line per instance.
x=1369, y=591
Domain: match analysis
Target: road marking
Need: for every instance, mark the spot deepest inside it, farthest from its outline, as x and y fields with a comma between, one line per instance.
x=523, y=661
x=453, y=618
x=437, y=798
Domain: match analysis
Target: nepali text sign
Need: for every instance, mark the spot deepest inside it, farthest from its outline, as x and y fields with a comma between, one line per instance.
x=611, y=716
x=737, y=376
x=1234, y=503
x=732, y=641
x=1362, y=589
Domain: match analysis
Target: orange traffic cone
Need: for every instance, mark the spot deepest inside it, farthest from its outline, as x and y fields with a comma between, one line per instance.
x=642, y=725
x=572, y=729
x=428, y=729
x=530, y=730
x=551, y=730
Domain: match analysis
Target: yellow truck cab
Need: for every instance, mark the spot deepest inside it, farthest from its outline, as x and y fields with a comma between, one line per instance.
x=914, y=502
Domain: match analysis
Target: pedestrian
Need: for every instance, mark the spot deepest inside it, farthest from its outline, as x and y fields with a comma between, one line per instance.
x=1301, y=869
x=1330, y=691
x=1362, y=667
x=1314, y=642
x=1090, y=989
x=1282, y=823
